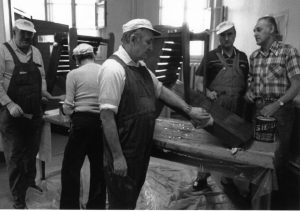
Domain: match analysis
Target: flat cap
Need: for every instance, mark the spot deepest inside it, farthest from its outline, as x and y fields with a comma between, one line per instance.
x=139, y=24
x=224, y=26
x=25, y=25
x=82, y=49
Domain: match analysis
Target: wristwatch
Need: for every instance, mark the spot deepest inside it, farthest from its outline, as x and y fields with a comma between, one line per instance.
x=281, y=103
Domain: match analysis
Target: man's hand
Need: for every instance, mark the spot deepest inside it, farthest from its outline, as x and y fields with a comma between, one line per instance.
x=270, y=109
x=200, y=118
x=211, y=94
x=249, y=96
x=120, y=166
x=14, y=109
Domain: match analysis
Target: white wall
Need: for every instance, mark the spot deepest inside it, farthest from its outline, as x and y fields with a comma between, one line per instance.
x=121, y=11
x=4, y=21
x=2, y=29
x=244, y=13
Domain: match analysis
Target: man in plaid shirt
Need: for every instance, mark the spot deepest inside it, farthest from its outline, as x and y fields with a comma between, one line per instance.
x=274, y=81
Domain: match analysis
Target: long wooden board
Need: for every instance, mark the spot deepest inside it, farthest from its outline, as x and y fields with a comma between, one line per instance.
x=231, y=129
x=180, y=136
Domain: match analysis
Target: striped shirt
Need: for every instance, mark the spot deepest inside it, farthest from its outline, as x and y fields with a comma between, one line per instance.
x=270, y=72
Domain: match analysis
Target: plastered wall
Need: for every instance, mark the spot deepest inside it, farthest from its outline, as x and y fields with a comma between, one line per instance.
x=121, y=11
x=244, y=13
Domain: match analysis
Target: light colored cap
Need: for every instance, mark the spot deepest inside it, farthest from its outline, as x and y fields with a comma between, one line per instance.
x=25, y=25
x=138, y=24
x=224, y=26
x=82, y=49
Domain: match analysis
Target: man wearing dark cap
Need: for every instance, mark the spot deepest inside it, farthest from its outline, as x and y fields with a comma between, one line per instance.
x=22, y=85
x=128, y=91
x=226, y=73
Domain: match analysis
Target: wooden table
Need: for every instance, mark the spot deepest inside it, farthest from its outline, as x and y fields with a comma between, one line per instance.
x=254, y=164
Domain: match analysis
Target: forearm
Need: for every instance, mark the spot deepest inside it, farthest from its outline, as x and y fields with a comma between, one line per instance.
x=199, y=83
x=292, y=91
x=47, y=95
x=111, y=133
x=4, y=99
x=174, y=101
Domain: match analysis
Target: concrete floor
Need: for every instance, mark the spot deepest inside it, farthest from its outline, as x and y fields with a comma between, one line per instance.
x=52, y=171
x=49, y=199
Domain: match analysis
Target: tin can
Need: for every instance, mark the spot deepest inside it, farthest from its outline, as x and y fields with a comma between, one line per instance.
x=265, y=129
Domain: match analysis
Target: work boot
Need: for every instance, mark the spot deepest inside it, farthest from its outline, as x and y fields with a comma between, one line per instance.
x=19, y=204
x=200, y=182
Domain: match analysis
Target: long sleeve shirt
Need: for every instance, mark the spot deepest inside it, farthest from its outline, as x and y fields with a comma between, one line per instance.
x=82, y=89
x=7, y=67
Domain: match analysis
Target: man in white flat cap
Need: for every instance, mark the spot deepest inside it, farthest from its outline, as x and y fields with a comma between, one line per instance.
x=227, y=69
x=128, y=91
x=226, y=77
x=85, y=138
x=22, y=86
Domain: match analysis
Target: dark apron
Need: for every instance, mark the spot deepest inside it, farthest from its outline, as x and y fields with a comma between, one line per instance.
x=229, y=84
x=21, y=136
x=25, y=85
x=135, y=122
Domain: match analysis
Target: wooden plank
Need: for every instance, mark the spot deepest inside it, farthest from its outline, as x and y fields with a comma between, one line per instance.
x=54, y=117
x=226, y=124
x=180, y=136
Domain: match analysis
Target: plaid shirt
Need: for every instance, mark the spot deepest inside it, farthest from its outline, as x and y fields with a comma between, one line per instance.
x=270, y=72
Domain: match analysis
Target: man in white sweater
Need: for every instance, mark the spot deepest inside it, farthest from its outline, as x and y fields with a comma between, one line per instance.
x=85, y=138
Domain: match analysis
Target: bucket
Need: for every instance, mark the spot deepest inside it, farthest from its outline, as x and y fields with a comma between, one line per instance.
x=265, y=128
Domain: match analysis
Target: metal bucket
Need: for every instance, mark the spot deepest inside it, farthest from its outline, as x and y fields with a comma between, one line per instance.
x=265, y=129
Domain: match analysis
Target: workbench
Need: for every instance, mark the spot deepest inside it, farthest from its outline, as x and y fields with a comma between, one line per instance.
x=254, y=164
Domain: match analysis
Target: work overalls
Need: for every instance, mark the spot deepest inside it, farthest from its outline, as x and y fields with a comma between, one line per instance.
x=135, y=122
x=229, y=84
x=21, y=136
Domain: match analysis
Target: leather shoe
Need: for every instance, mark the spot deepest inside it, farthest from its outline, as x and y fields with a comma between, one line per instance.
x=34, y=186
x=200, y=182
x=20, y=206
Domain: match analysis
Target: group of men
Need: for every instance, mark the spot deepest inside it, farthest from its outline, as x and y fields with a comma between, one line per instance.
x=268, y=86
x=112, y=106
x=117, y=98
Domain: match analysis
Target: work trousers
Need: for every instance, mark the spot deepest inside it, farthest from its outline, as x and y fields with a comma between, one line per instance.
x=123, y=192
x=285, y=117
x=21, y=141
x=85, y=139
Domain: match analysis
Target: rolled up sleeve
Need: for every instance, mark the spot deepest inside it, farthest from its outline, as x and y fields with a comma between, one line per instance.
x=111, y=81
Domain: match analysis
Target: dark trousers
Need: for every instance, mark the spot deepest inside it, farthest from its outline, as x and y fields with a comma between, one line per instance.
x=21, y=141
x=285, y=119
x=123, y=192
x=85, y=139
